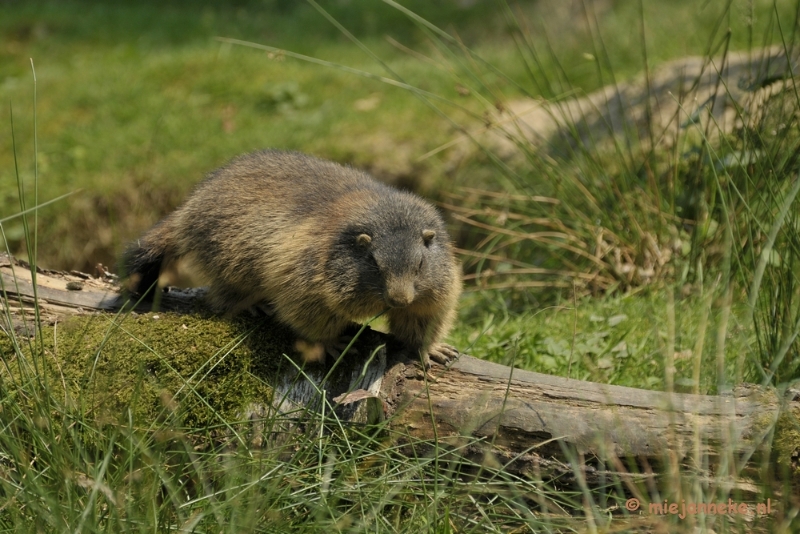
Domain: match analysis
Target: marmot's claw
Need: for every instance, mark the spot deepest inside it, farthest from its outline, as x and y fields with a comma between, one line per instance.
x=333, y=351
x=343, y=342
x=442, y=353
x=266, y=308
x=336, y=349
x=261, y=309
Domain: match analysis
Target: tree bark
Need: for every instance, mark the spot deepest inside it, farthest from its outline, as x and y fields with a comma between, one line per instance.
x=527, y=423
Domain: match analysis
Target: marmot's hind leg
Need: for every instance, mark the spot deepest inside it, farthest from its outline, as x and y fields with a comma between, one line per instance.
x=141, y=268
x=229, y=301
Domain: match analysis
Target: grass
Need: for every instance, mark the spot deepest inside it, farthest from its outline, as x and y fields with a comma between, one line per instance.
x=136, y=102
x=135, y=113
x=619, y=210
x=616, y=340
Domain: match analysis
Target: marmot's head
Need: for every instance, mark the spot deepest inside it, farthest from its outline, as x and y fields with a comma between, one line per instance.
x=393, y=254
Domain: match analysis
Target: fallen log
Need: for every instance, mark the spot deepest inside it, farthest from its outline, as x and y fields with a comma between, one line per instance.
x=715, y=94
x=526, y=423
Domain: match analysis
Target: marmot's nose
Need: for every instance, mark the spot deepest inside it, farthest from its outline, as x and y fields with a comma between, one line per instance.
x=399, y=297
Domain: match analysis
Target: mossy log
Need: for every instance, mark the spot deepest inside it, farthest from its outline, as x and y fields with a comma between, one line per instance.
x=527, y=423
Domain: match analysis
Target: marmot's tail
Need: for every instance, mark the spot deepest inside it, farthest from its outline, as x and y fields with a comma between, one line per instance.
x=143, y=259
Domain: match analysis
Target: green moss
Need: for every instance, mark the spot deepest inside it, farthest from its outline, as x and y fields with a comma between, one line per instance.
x=787, y=442
x=199, y=371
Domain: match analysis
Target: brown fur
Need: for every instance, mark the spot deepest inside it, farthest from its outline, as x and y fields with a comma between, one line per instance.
x=324, y=245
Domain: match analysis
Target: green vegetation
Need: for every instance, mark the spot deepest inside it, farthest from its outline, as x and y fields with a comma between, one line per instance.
x=618, y=340
x=131, y=424
x=138, y=101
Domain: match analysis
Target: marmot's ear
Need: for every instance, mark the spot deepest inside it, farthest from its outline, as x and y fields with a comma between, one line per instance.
x=427, y=236
x=363, y=240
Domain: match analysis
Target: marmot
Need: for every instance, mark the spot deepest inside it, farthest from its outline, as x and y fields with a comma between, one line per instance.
x=324, y=246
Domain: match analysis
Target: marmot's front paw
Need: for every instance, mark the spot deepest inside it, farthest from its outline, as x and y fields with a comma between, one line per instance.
x=442, y=353
x=316, y=352
x=310, y=352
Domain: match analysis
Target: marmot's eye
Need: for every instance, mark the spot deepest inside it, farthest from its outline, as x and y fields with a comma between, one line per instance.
x=363, y=240
x=420, y=264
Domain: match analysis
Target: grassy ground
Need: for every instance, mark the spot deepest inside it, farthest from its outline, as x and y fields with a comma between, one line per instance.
x=138, y=101
x=620, y=340
x=135, y=102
